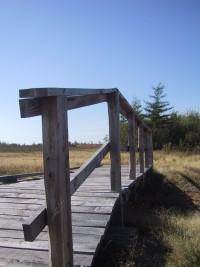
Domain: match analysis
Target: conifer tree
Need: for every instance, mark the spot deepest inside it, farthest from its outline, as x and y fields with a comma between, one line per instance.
x=157, y=116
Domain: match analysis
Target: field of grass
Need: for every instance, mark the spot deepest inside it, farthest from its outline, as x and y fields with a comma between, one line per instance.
x=167, y=215
x=165, y=212
x=25, y=162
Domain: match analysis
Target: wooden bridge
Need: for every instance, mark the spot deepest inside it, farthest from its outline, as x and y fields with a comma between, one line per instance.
x=65, y=216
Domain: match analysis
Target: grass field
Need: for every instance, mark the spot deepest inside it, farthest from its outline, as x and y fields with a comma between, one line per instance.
x=24, y=162
x=165, y=212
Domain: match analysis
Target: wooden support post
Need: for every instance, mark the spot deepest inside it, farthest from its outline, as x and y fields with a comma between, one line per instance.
x=147, y=149
x=114, y=134
x=151, y=148
x=131, y=137
x=57, y=180
x=141, y=148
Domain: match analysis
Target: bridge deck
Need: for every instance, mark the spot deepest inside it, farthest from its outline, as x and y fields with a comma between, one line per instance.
x=92, y=207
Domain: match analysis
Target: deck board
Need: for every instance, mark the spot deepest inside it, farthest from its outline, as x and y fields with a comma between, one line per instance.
x=92, y=207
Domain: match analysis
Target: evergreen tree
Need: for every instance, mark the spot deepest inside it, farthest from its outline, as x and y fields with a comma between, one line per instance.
x=157, y=116
x=137, y=106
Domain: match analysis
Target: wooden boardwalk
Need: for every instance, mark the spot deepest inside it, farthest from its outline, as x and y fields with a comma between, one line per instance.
x=92, y=207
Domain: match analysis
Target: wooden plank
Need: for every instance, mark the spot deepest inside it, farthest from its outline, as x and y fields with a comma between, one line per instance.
x=57, y=181
x=33, y=106
x=45, y=92
x=88, y=247
x=114, y=135
x=22, y=258
x=20, y=195
x=21, y=201
x=131, y=138
x=30, y=233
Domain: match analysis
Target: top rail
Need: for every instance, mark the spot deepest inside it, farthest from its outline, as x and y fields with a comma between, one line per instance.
x=51, y=91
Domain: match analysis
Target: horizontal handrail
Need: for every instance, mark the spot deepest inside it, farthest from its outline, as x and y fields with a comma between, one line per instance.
x=31, y=105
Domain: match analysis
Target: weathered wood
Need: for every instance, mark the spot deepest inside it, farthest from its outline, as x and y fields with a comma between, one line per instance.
x=151, y=147
x=147, y=148
x=30, y=257
x=124, y=148
x=33, y=106
x=57, y=181
x=89, y=205
x=131, y=138
x=87, y=168
x=45, y=92
x=141, y=148
x=39, y=220
x=114, y=135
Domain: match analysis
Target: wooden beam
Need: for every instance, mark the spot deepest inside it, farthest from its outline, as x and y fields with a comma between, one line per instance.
x=151, y=147
x=57, y=181
x=87, y=168
x=35, y=224
x=147, y=148
x=32, y=227
x=131, y=138
x=33, y=106
x=44, y=92
x=141, y=149
x=114, y=134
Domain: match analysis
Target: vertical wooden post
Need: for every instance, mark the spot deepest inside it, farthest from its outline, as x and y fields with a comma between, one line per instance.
x=146, y=137
x=151, y=147
x=57, y=181
x=141, y=148
x=131, y=138
x=114, y=134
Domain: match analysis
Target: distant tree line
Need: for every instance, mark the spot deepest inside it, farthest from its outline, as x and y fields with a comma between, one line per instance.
x=13, y=147
x=170, y=129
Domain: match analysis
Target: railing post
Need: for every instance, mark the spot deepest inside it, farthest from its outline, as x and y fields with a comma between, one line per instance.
x=147, y=148
x=131, y=138
x=57, y=180
x=114, y=134
x=151, y=147
x=141, y=148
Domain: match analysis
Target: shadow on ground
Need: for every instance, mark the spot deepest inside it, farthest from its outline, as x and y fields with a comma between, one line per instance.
x=142, y=212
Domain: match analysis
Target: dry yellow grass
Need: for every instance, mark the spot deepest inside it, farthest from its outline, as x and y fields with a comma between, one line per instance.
x=181, y=169
x=14, y=163
x=27, y=162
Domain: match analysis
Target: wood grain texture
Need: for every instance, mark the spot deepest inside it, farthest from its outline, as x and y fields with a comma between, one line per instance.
x=147, y=147
x=92, y=207
x=31, y=107
x=131, y=138
x=45, y=92
x=141, y=148
x=87, y=168
x=114, y=135
x=57, y=181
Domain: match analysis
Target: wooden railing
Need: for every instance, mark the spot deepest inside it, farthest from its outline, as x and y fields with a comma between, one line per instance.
x=52, y=104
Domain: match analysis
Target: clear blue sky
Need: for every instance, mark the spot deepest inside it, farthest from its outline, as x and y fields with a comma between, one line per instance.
x=129, y=44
